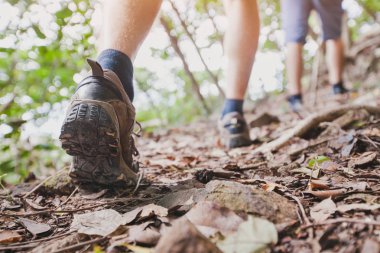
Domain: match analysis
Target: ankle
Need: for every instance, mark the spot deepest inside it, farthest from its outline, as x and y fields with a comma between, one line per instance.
x=295, y=98
x=233, y=105
x=121, y=64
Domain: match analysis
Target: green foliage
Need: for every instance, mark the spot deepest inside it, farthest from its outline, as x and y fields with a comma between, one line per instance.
x=317, y=161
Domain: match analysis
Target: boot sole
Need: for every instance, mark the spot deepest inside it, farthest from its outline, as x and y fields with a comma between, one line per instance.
x=90, y=135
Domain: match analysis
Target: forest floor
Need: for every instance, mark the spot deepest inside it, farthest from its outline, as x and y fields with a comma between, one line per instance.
x=309, y=183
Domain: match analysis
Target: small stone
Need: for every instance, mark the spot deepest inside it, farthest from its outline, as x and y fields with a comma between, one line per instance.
x=59, y=183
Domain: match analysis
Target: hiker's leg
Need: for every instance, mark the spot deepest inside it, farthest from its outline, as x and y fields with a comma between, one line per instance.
x=125, y=26
x=294, y=67
x=335, y=60
x=331, y=14
x=97, y=130
x=295, y=15
x=240, y=44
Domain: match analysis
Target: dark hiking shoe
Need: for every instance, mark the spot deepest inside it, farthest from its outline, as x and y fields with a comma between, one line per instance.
x=339, y=89
x=295, y=103
x=97, y=130
x=234, y=131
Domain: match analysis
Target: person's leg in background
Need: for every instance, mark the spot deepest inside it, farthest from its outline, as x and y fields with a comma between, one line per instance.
x=331, y=14
x=295, y=15
x=97, y=130
x=240, y=45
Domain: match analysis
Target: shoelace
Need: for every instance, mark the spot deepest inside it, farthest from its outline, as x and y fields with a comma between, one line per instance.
x=135, y=152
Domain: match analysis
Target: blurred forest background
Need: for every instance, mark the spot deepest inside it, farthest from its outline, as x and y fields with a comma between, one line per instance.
x=178, y=74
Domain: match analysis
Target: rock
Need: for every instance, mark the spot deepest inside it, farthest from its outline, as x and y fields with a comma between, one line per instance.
x=183, y=237
x=180, y=198
x=59, y=183
x=239, y=197
x=263, y=120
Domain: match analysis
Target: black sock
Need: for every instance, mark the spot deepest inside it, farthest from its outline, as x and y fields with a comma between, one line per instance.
x=233, y=105
x=293, y=99
x=121, y=64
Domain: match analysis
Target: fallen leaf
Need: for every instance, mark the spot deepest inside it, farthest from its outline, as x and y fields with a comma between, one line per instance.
x=363, y=159
x=183, y=237
x=143, y=234
x=270, y=186
x=327, y=194
x=315, y=184
x=102, y=222
x=95, y=195
x=371, y=245
x=9, y=236
x=144, y=212
x=358, y=206
x=309, y=172
x=367, y=198
x=33, y=227
x=253, y=235
x=34, y=205
x=138, y=249
x=218, y=219
x=321, y=211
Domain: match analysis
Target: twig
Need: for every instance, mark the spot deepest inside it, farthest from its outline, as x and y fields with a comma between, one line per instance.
x=72, y=248
x=39, y=240
x=67, y=200
x=341, y=220
x=367, y=139
x=38, y=186
x=300, y=206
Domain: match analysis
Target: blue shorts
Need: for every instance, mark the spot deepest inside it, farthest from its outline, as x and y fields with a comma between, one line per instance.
x=295, y=15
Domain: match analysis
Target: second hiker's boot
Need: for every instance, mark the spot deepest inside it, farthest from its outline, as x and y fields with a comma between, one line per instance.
x=97, y=130
x=234, y=131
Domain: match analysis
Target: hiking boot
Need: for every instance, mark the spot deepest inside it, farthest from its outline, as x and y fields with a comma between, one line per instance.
x=339, y=89
x=97, y=130
x=234, y=131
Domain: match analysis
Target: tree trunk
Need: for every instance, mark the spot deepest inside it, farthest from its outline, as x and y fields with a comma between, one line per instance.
x=185, y=28
x=175, y=45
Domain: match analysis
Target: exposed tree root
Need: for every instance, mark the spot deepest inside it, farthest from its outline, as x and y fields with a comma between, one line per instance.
x=311, y=122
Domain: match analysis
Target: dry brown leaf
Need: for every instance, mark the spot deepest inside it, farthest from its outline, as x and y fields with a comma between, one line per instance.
x=95, y=195
x=141, y=234
x=33, y=227
x=144, y=212
x=363, y=159
x=270, y=186
x=9, y=236
x=321, y=211
x=210, y=218
x=183, y=237
x=327, y=194
x=371, y=245
x=358, y=206
x=34, y=205
x=103, y=222
x=318, y=184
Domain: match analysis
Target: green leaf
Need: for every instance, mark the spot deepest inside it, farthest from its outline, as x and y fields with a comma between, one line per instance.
x=253, y=236
x=318, y=160
x=38, y=31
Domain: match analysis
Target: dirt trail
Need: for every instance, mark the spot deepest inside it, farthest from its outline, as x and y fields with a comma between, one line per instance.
x=318, y=191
